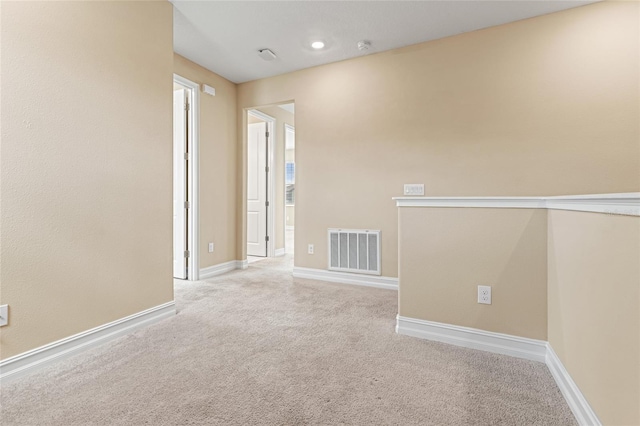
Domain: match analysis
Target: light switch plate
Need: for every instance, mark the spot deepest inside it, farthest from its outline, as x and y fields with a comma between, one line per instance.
x=210, y=247
x=413, y=189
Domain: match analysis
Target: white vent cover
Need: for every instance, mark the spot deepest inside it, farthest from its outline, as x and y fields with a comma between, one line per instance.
x=354, y=250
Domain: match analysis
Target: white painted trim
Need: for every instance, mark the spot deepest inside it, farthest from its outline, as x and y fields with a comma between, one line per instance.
x=271, y=227
x=271, y=222
x=488, y=202
x=280, y=252
x=627, y=204
x=581, y=409
x=519, y=347
x=194, y=177
x=389, y=283
x=219, y=269
x=30, y=361
x=289, y=228
x=223, y=268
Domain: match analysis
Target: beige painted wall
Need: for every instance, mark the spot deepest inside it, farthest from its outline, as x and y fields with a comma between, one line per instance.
x=217, y=163
x=571, y=278
x=543, y=106
x=594, y=308
x=447, y=252
x=252, y=120
x=85, y=166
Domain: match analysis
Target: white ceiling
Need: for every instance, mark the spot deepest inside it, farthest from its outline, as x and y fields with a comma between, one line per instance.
x=224, y=36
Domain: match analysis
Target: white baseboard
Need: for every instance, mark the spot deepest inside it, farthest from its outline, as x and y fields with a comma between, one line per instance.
x=280, y=252
x=222, y=268
x=219, y=269
x=520, y=347
x=581, y=409
x=388, y=283
x=30, y=361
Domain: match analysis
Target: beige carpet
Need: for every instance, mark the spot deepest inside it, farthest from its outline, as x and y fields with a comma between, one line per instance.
x=258, y=347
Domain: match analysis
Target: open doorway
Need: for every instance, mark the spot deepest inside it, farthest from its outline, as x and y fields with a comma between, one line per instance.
x=185, y=178
x=270, y=178
x=289, y=187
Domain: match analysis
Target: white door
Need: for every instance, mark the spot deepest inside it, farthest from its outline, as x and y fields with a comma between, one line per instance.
x=257, y=190
x=179, y=183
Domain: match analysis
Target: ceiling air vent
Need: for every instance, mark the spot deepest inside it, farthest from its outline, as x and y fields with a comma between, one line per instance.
x=266, y=54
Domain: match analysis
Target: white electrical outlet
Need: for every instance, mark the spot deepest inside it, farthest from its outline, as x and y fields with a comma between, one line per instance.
x=484, y=294
x=4, y=315
x=310, y=249
x=413, y=189
x=210, y=247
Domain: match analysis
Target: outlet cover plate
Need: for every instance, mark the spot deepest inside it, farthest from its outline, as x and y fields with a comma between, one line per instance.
x=310, y=249
x=484, y=294
x=210, y=247
x=4, y=315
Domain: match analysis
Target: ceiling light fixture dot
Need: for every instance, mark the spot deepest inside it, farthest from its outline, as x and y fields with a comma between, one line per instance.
x=317, y=45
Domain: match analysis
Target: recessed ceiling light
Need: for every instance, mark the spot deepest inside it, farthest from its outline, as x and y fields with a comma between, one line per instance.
x=317, y=45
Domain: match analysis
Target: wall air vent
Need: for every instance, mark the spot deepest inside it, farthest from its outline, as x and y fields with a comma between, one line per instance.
x=354, y=250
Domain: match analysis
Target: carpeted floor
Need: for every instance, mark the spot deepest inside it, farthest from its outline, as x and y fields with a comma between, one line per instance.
x=259, y=347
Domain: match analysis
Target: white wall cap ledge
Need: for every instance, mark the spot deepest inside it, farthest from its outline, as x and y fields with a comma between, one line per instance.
x=627, y=204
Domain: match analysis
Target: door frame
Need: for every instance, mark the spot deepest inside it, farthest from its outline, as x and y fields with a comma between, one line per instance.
x=271, y=231
x=193, y=176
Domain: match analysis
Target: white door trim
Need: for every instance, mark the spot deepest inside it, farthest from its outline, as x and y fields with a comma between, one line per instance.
x=193, y=143
x=271, y=232
x=180, y=100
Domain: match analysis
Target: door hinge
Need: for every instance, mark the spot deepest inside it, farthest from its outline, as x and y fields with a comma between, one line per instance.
x=187, y=204
x=186, y=155
x=186, y=253
x=266, y=169
x=186, y=106
x=266, y=203
x=266, y=238
x=267, y=134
